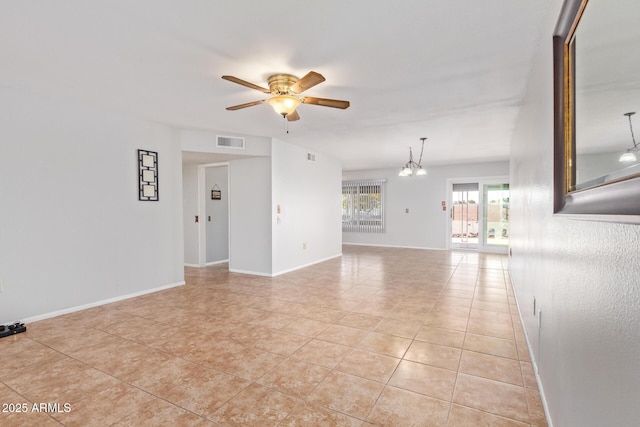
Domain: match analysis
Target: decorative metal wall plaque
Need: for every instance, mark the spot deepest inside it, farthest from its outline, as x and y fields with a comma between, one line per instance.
x=148, y=176
x=216, y=193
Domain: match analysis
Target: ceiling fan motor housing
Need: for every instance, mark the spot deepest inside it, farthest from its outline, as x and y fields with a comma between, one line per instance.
x=280, y=84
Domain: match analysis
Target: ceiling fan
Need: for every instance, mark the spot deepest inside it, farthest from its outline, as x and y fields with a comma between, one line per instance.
x=286, y=89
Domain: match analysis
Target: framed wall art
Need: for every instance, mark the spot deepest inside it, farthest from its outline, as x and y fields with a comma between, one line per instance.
x=148, y=176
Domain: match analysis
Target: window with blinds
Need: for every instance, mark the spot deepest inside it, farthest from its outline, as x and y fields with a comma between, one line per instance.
x=363, y=206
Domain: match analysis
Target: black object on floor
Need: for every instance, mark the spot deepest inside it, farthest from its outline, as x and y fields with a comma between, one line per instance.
x=13, y=329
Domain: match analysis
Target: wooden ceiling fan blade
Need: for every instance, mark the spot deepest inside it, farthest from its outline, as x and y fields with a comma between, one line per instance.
x=248, y=104
x=334, y=103
x=293, y=116
x=310, y=80
x=246, y=83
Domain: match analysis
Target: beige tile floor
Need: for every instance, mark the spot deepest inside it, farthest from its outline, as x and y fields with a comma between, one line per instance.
x=380, y=336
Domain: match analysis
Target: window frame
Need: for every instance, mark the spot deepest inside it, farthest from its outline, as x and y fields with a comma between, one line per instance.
x=362, y=211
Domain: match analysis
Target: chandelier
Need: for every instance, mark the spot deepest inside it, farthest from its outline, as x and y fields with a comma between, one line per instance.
x=410, y=167
x=629, y=155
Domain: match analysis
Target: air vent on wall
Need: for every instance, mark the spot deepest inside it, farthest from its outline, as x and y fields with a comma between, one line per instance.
x=311, y=157
x=230, y=142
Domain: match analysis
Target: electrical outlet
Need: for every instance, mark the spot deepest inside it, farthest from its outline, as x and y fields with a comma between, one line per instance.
x=304, y=246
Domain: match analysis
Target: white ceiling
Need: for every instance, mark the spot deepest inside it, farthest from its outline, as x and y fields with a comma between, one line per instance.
x=453, y=71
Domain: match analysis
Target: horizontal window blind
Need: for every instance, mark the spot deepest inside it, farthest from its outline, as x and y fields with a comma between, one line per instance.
x=363, y=206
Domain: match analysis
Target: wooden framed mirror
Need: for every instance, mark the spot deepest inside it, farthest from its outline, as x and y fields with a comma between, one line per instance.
x=596, y=86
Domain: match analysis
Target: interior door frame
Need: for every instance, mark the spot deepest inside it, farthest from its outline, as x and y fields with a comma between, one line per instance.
x=482, y=247
x=202, y=212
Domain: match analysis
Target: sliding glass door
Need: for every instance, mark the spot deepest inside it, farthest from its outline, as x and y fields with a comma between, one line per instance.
x=464, y=215
x=479, y=215
x=496, y=217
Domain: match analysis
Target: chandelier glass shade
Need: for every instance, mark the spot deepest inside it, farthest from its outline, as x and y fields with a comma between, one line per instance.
x=629, y=156
x=411, y=167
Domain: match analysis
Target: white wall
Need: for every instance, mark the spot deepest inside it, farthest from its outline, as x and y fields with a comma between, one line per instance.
x=585, y=276
x=190, y=210
x=425, y=226
x=204, y=141
x=309, y=196
x=250, y=216
x=310, y=204
x=72, y=231
x=218, y=211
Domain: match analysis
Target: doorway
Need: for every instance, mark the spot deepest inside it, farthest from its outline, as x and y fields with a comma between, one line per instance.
x=217, y=214
x=213, y=209
x=479, y=214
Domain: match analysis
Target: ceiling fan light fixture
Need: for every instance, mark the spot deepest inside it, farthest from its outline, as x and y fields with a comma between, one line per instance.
x=285, y=90
x=284, y=104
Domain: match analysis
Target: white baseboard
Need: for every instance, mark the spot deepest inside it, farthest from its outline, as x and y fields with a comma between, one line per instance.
x=257, y=273
x=306, y=265
x=207, y=264
x=394, y=246
x=253, y=273
x=101, y=302
x=533, y=362
x=216, y=262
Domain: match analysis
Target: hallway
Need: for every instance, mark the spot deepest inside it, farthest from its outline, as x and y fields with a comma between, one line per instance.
x=380, y=336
